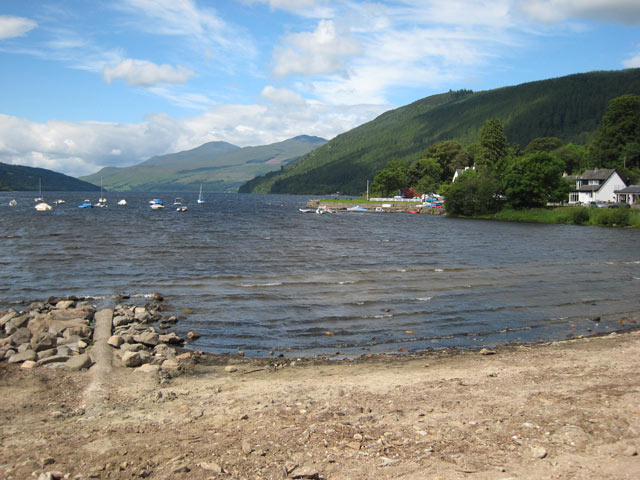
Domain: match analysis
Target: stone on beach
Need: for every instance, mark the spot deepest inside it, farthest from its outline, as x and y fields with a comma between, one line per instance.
x=115, y=341
x=132, y=359
x=22, y=357
x=79, y=362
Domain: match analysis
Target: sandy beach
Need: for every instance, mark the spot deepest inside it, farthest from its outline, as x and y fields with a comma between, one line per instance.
x=561, y=410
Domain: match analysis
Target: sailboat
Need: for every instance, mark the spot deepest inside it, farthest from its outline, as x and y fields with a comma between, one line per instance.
x=200, y=197
x=13, y=203
x=39, y=197
x=102, y=201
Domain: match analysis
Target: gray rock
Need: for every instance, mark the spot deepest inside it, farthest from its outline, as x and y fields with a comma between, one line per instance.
x=171, y=339
x=147, y=338
x=20, y=336
x=64, y=350
x=79, y=362
x=43, y=341
x=18, y=321
x=54, y=359
x=7, y=316
x=8, y=353
x=121, y=320
x=47, y=353
x=82, y=331
x=132, y=359
x=22, y=357
x=132, y=347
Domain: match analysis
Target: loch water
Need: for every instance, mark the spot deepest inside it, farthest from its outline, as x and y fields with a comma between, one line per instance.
x=260, y=276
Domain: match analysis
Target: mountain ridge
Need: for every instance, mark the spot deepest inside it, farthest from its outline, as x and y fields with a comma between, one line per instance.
x=568, y=107
x=219, y=166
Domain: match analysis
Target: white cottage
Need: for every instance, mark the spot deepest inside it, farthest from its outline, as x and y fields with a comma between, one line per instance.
x=598, y=185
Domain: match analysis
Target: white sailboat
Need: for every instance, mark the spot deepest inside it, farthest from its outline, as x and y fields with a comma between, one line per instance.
x=102, y=200
x=200, y=197
x=39, y=197
x=13, y=203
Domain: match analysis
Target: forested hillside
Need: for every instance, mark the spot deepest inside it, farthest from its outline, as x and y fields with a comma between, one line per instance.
x=18, y=177
x=569, y=108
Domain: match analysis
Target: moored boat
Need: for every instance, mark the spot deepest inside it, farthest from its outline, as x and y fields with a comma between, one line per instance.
x=43, y=207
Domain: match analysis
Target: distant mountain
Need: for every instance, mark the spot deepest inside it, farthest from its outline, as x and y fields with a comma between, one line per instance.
x=219, y=166
x=568, y=107
x=18, y=177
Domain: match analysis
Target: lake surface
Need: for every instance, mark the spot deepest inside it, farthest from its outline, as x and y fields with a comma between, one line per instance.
x=260, y=276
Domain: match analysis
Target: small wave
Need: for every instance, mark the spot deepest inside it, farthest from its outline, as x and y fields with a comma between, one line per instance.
x=346, y=282
x=438, y=270
x=423, y=299
x=260, y=285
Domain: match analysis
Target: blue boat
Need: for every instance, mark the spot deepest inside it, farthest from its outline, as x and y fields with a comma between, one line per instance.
x=200, y=197
x=86, y=204
x=357, y=208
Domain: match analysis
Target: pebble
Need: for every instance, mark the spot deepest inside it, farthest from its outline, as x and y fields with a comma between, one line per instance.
x=230, y=368
x=211, y=467
x=538, y=452
x=486, y=351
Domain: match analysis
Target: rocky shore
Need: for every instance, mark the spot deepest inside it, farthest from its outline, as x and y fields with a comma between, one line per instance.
x=123, y=400
x=59, y=333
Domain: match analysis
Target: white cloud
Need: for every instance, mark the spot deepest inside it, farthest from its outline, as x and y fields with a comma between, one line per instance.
x=282, y=95
x=626, y=12
x=15, y=26
x=82, y=148
x=207, y=31
x=633, y=62
x=322, y=51
x=369, y=49
x=144, y=73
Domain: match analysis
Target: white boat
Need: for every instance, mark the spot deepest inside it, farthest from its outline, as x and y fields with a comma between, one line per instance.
x=43, y=207
x=181, y=208
x=200, y=197
x=122, y=202
x=178, y=201
x=306, y=210
x=13, y=203
x=156, y=203
x=357, y=208
x=58, y=202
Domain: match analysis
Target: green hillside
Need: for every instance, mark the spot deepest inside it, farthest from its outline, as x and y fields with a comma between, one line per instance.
x=219, y=166
x=18, y=177
x=569, y=108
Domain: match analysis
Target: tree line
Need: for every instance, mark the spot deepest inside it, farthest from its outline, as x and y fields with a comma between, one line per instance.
x=505, y=175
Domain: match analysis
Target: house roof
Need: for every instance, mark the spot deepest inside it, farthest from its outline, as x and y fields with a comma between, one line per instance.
x=629, y=189
x=589, y=188
x=597, y=174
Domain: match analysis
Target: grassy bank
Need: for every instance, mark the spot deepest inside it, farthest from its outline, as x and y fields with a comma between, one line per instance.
x=608, y=217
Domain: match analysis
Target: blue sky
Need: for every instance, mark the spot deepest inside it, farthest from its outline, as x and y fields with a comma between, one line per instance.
x=111, y=83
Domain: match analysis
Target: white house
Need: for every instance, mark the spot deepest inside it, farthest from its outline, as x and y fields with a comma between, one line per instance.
x=630, y=195
x=460, y=171
x=598, y=185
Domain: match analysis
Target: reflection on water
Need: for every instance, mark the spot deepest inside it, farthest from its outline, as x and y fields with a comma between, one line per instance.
x=260, y=276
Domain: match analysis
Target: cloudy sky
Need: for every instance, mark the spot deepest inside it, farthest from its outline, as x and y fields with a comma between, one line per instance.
x=87, y=84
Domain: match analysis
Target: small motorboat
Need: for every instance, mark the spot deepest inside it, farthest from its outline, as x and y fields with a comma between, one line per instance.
x=306, y=210
x=86, y=204
x=357, y=208
x=122, y=202
x=181, y=208
x=156, y=204
x=178, y=201
x=58, y=202
x=43, y=207
x=13, y=203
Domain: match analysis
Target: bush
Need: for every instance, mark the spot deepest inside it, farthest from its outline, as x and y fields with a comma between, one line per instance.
x=578, y=215
x=611, y=216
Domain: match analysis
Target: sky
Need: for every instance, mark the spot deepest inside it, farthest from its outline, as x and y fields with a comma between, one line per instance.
x=90, y=84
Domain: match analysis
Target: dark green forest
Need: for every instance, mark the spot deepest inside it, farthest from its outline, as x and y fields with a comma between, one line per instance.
x=568, y=109
x=18, y=177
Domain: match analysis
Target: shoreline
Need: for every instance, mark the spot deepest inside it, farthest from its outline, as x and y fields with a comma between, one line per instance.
x=559, y=409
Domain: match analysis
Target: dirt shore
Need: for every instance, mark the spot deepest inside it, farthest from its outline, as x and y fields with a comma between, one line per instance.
x=562, y=410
